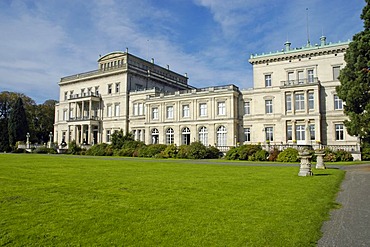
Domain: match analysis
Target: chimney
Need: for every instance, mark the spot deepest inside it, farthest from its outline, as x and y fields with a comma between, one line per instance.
x=152, y=60
x=323, y=40
x=287, y=46
x=168, y=67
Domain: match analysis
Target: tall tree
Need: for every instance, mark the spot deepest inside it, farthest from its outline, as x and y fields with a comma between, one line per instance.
x=44, y=120
x=355, y=80
x=4, y=134
x=17, y=125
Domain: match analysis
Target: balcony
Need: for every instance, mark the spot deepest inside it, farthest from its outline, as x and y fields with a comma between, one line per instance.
x=86, y=96
x=300, y=82
x=85, y=118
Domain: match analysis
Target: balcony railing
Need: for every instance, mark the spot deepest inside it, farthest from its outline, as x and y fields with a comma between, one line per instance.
x=298, y=82
x=85, y=118
x=85, y=95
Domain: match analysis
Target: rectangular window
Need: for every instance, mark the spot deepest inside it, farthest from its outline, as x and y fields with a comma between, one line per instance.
x=339, y=132
x=300, y=133
x=312, y=131
x=83, y=92
x=338, y=103
x=155, y=113
x=169, y=112
x=71, y=94
x=117, y=87
x=247, y=134
x=310, y=76
x=116, y=110
x=71, y=113
x=247, y=108
x=140, y=109
x=311, y=101
x=336, y=70
x=221, y=108
x=299, y=101
x=96, y=91
x=268, y=106
x=108, y=135
x=268, y=80
x=109, y=110
x=203, y=109
x=89, y=91
x=291, y=78
x=288, y=102
x=65, y=115
x=65, y=95
x=139, y=87
x=185, y=111
x=300, y=77
x=269, y=131
x=110, y=89
x=289, y=132
x=136, y=109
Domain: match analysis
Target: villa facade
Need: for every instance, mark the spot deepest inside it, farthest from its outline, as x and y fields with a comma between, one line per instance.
x=293, y=102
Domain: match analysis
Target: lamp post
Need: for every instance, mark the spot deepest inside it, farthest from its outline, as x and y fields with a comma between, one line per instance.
x=51, y=139
x=28, y=140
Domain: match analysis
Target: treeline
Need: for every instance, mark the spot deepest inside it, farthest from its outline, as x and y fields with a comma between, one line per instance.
x=19, y=115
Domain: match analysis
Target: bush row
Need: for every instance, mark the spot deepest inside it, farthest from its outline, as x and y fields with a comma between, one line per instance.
x=195, y=150
x=256, y=153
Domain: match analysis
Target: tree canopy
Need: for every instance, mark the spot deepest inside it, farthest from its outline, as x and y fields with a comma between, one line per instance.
x=355, y=80
x=39, y=119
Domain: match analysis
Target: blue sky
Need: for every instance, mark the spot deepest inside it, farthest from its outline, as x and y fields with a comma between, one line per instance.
x=211, y=40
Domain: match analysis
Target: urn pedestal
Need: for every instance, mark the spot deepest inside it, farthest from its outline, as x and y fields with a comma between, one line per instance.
x=305, y=166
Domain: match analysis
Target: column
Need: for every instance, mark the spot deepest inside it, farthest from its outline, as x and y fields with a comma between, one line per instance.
x=307, y=132
x=293, y=131
x=90, y=107
x=306, y=101
x=83, y=110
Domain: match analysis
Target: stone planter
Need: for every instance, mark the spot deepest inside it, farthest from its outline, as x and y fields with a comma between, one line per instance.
x=305, y=166
x=320, y=159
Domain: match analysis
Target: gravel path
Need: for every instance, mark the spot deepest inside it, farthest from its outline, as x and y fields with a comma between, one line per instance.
x=350, y=225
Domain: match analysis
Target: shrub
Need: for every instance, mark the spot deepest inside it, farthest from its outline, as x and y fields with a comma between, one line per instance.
x=197, y=151
x=151, y=150
x=288, y=155
x=273, y=154
x=73, y=148
x=102, y=149
x=170, y=151
x=127, y=152
x=344, y=155
x=330, y=156
x=232, y=154
x=183, y=152
x=365, y=153
x=44, y=150
x=213, y=152
x=248, y=150
x=19, y=150
x=260, y=155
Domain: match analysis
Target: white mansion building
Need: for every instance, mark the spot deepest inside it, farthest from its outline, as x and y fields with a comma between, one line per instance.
x=293, y=101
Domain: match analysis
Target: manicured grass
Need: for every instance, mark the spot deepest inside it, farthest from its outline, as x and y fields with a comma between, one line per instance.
x=64, y=200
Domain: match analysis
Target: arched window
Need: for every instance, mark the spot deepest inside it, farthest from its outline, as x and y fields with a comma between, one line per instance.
x=170, y=136
x=221, y=136
x=186, y=136
x=203, y=135
x=155, y=136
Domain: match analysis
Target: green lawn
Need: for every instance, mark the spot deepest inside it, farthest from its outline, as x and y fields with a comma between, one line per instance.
x=64, y=200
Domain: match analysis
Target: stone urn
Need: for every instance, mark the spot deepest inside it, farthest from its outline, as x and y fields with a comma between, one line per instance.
x=320, y=159
x=305, y=166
